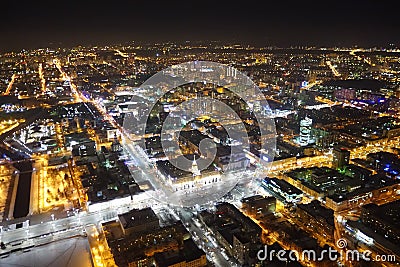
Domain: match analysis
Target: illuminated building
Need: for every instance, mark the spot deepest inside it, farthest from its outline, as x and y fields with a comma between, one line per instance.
x=226, y=158
x=180, y=179
x=378, y=232
x=384, y=219
x=344, y=94
x=341, y=158
x=377, y=188
x=319, y=182
x=316, y=219
x=136, y=221
x=136, y=240
x=188, y=256
x=305, y=131
x=84, y=149
x=282, y=190
x=237, y=233
x=231, y=158
x=195, y=168
x=385, y=161
x=231, y=72
x=116, y=146
x=357, y=172
x=258, y=205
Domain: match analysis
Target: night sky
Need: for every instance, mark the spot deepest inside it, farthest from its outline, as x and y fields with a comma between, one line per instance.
x=281, y=23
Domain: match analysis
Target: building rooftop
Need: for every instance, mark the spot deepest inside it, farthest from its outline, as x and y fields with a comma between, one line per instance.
x=191, y=251
x=227, y=235
x=169, y=169
x=194, y=136
x=255, y=198
x=374, y=182
x=389, y=213
x=378, y=238
x=315, y=209
x=283, y=185
x=188, y=253
x=137, y=217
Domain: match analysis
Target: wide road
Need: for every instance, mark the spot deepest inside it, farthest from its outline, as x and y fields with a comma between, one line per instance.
x=42, y=79
x=39, y=231
x=10, y=85
x=204, y=239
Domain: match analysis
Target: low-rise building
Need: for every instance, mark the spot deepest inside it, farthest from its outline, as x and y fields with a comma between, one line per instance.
x=377, y=188
x=189, y=256
x=135, y=221
x=258, y=205
x=282, y=190
x=316, y=219
x=385, y=219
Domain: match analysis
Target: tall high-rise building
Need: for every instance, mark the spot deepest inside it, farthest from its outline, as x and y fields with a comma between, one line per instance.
x=341, y=157
x=305, y=131
x=231, y=72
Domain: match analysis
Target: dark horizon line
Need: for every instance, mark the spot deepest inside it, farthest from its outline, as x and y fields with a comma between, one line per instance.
x=255, y=44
